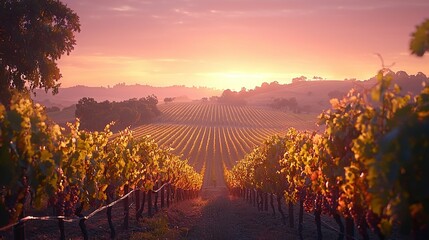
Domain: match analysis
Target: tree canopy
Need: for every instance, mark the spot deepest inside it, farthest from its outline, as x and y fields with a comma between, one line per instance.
x=95, y=115
x=34, y=34
x=420, y=39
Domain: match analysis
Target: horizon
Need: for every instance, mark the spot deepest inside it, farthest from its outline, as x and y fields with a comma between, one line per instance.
x=230, y=45
x=120, y=84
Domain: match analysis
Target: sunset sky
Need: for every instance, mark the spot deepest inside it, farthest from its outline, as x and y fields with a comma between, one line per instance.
x=235, y=43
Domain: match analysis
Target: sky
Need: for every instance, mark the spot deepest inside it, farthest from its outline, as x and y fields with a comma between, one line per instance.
x=239, y=43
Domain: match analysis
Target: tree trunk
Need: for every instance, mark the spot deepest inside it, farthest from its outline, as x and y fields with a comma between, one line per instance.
x=62, y=231
x=156, y=202
x=59, y=211
x=109, y=220
x=254, y=198
x=162, y=196
x=363, y=230
x=126, y=207
x=168, y=195
x=291, y=215
x=82, y=225
x=19, y=230
x=266, y=202
x=149, y=203
x=337, y=219
x=300, y=217
x=318, y=221
x=350, y=228
x=176, y=195
x=259, y=202
x=317, y=214
x=137, y=200
x=272, y=203
x=140, y=211
x=279, y=206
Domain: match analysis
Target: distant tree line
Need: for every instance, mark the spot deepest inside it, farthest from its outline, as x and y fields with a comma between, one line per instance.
x=290, y=104
x=52, y=109
x=232, y=97
x=95, y=115
x=238, y=98
x=408, y=83
x=169, y=99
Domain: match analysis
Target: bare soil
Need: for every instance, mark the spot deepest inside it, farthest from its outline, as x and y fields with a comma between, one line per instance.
x=218, y=215
x=214, y=215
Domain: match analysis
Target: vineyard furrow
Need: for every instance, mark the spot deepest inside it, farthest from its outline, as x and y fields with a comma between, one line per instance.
x=211, y=134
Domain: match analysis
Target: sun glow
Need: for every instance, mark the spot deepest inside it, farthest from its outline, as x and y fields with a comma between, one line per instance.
x=237, y=80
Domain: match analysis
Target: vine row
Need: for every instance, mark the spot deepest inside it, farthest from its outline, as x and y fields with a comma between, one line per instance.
x=72, y=170
x=368, y=167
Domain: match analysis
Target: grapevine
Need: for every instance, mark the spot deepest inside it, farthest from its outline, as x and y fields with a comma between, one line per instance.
x=367, y=167
x=76, y=169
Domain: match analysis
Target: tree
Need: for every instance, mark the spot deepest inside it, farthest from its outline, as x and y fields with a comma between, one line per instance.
x=299, y=79
x=231, y=97
x=34, y=34
x=420, y=39
x=293, y=105
x=168, y=99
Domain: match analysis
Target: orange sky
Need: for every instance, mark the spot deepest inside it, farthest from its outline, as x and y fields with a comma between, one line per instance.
x=234, y=43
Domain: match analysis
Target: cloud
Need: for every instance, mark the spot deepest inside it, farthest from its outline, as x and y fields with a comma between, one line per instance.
x=184, y=11
x=123, y=8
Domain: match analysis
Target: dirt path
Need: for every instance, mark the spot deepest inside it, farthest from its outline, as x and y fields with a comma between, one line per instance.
x=216, y=215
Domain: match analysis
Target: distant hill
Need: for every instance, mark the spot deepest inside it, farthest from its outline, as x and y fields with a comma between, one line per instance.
x=120, y=92
x=313, y=96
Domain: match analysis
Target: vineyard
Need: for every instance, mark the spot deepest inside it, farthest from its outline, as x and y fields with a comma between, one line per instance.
x=138, y=169
x=213, y=135
x=77, y=173
x=368, y=169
